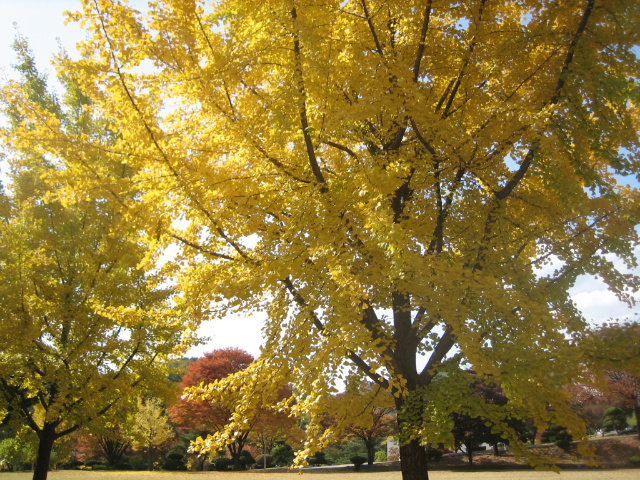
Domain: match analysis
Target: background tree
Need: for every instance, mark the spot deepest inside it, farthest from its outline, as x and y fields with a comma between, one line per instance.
x=468, y=433
x=471, y=431
x=269, y=426
x=364, y=411
x=19, y=451
x=151, y=427
x=204, y=416
x=613, y=352
x=624, y=391
x=386, y=179
x=615, y=418
x=590, y=403
x=84, y=325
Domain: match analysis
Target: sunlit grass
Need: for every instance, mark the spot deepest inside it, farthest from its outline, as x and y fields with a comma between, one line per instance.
x=604, y=474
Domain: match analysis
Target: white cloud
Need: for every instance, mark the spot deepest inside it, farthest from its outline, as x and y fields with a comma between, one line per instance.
x=599, y=306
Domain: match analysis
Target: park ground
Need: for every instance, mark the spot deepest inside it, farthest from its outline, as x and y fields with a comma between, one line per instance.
x=612, y=453
x=604, y=474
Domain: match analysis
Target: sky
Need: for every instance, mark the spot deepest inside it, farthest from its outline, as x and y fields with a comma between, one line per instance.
x=42, y=23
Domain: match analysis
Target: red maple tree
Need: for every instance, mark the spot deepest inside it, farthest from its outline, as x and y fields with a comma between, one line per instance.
x=205, y=417
x=198, y=414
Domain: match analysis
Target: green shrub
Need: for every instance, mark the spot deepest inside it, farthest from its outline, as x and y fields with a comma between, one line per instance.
x=137, y=462
x=318, y=459
x=175, y=456
x=615, y=418
x=93, y=463
x=380, y=456
x=223, y=464
x=70, y=465
x=174, y=462
x=558, y=435
x=635, y=459
x=283, y=455
x=357, y=461
x=246, y=459
x=260, y=461
x=433, y=454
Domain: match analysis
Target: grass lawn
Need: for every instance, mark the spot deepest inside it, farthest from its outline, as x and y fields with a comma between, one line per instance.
x=604, y=474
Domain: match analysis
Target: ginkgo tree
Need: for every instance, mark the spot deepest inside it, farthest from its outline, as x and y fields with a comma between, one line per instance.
x=402, y=186
x=84, y=326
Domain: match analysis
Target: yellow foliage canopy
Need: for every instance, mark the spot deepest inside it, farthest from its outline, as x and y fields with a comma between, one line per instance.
x=85, y=323
x=386, y=179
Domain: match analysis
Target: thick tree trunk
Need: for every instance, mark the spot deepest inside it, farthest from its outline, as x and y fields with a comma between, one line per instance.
x=413, y=456
x=413, y=461
x=47, y=437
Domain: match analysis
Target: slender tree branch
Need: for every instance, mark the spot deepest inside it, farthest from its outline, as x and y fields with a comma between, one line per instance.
x=421, y=45
x=446, y=343
x=311, y=153
x=372, y=28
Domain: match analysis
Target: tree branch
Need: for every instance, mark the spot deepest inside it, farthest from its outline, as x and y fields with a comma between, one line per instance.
x=446, y=343
x=313, y=160
x=372, y=29
x=421, y=45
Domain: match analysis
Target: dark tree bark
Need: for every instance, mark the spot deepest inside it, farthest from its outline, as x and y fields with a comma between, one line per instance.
x=47, y=437
x=371, y=451
x=413, y=461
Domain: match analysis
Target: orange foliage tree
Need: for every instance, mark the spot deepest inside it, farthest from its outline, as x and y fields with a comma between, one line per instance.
x=204, y=416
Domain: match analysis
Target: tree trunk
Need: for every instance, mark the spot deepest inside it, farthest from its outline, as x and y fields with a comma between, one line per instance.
x=413, y=461
x=150, y=455
x=371, y=451
x=47, y=437
x=469, y=449
x=413, y=456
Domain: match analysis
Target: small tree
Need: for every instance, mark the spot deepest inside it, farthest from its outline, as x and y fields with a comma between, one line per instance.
x=270, y=425
x=114, y=449
x=16, y=452
x=282, y=454
x=615, y=418
x=558, y=435
x=364, y=411
x=151, y=426
x=469, y=432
